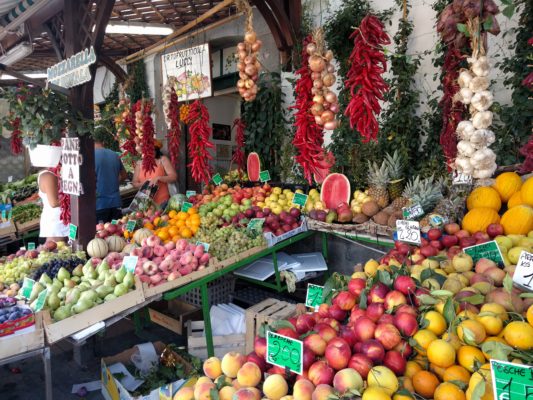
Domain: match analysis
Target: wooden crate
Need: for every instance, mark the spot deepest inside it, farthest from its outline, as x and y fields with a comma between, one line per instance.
x=28, y=226
x=196, y=343
x=175, y=315
x=55, y=331
x=7, y=229
x=266, y=312
x=19, y=343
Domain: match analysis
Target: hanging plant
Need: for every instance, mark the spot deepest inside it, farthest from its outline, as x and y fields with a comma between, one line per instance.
x=238, y=154
x=16, y=136
x=171, y=111
x=136, y=85
x=365, y=77
x=247, y=54
x=199, y=143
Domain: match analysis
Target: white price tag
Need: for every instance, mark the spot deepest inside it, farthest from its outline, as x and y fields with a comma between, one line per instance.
x=523, y=274
x=408, y=231
x=458, y=178
x=130, y=262
x=413, y=211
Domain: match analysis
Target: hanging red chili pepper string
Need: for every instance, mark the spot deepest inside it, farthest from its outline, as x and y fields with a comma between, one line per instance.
x=199, y=143
x=364, y=78
x=16, y=139
x=238, y=155
x=129, y=145
x=174, y=131
x=64, y=199
x=308, y=138
x=147, y=140
x=452, y=110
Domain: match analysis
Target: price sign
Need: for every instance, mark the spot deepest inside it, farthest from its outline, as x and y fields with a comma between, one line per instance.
x=27, y=286
x=190, y=193
x=285, y=352
x=523, y=274
x=41, y=300
x=206, y=246
x=217, y=179
x=114, y=222
x=31, y=246
x=314, y=295
x=408, y=231
x=413, y=211
x=256, y=224
x=299, y=199
x=264, y=176
x=130, y=262
x=511, y=381
x=72, y=232
x=458, y=178
x=130, y=226
x=488, y=250
x=186, y=206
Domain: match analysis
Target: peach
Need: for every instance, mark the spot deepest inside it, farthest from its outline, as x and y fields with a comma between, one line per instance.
x=260, y=346
x=231, y=363
x=275, y=387
x=320, y=372
x=226, y=393
x=185, y=393
x=202, y=391
x=203, y=379
x=303, y=389
x=322, y=392
x=212, y=367
x=347, y=379
x=249, y=375
x=315, y=343
x=247, y=394
x=338, y=353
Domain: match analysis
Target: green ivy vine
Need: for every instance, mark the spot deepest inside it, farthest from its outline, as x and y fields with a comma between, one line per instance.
x=517, y=117
x=136, y=86
x=265, y=123
x=400, y=125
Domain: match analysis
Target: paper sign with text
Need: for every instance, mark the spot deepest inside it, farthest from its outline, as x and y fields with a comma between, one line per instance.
x=314, y=295
x=186, y=206
x=413, y=211
x=72, y=232
x=130, y=262
x=71, y=160
x=489, y=250
x=217, y=179
x=299, y=199
x=285, y=352
x=511, y=381
x=408, y=231
x=190, y=193
x=264, y=176
x=523, y=274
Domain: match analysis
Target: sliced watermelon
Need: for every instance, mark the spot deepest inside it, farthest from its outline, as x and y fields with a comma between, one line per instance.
x=335, y=190
x=253, y=166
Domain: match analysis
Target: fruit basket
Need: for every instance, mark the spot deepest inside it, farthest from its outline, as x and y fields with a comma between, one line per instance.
x=316, y=225
x=273, y=239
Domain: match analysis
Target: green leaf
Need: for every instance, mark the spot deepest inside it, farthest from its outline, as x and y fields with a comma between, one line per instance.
x=449, y=311
x=509, y=11
x=385, y=278
x=487, y=24
x=427, y=299
x=460, y=384
x=426, y=274
x=463, y=29
x=497, y=350
x=214, y=394
x=468, y=336
x=363, y=299
x=475, y=299
x=508, y=283
x=441, y=293
x=526, y=295
x=478, y=391
x=405, y=392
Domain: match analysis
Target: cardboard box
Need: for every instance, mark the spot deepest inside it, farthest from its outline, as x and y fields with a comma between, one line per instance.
x=25, y=340
x=174, y=315
x=28, y=226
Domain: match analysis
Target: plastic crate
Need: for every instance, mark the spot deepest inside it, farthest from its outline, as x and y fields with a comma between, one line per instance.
x=253, y=295
x=219, y=291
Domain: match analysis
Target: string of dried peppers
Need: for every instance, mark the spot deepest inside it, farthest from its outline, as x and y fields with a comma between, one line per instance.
x=238, y=154
x=172, y=119
x=64, y=199
x=364, y=78
x=16, y=139
x=308, y=138
x=199, y=143
x=147, y=136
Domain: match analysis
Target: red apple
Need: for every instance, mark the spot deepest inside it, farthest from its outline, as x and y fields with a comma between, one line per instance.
x=320, y=372
x=374, y=350
x=453, y=251
x=338, y=353
x=434, y=234
x=288, y=332
x=315, y=343
x=404, y=284
x=356, y=286
x=375, y=310
x=308, y=358
x=364, y=329
x=361, y=364
x=378, y=292
x=394, y=299
x=260, y=346
x=462, y=234
x=356, y=314
x=385, y=319
x=428, y=251
x=344, y=300
x=259, y=361
x=449, y=240
x=451, y=229
x=388, y=335
x=494, y=230
x=325, y=331
x=323, y=310
x=402, y=248
x=348, y=334
x=332, y=322
x=436, y=244
x=467, y=242
x=406, y=323
x=304, y=323
x=395, y=362
x=408, y=309
x=481, y=235
x=404, y=348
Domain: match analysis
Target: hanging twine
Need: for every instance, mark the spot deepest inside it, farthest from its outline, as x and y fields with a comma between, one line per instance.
x=318, y=38
x=474, y=30
x=244, y=7
x=404, y=10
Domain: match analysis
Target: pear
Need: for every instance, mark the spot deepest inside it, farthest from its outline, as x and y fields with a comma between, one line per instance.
x=120, y=289
x=78, y=271
x=57, y=283
x=120, y=274
x=76, y=279
x=102, y=267
x=89, y=295
x=110, y=281
x=104, y=290
x=84, y=286
x=69, y=283
x=53, y=301
x=129, y=280
x=45, y=279
x=81, y=306
x=37, y=288
x=73, y=296
x=62, y=313
x=110, y=297
x=63, y=274
x=63, y=293
x=89, y=271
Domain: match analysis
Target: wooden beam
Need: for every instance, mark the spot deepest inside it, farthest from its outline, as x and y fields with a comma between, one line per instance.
x=119, y=43
x=102, y=17
x=161, y=16
x=53, y=40
x=178, y=14
x=284, y=23
x=111, y=65
x=272, y=23
x=36, y=82
x=155, y=48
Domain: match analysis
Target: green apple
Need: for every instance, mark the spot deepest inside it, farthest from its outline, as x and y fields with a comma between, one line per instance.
x=515, y=239
x=526, y=242
x=514, y=254
x=504, y=241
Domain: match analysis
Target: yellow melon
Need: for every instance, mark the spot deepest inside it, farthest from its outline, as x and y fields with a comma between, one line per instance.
x=518, y=220
x=478, y=219
x=527, y=192
x=515, y=200
x=484, y=196
x=507, y=184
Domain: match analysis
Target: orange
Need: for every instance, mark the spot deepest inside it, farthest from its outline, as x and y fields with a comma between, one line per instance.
x=441, y=353
x=471, y=331
x=448, y=391
x=172, y=213
x=192, y=211
x=176, y=238
x=453, y=340
x=182, y=216
x=439, y=371
x=436, y=322
x=180, y=223
x=157, y=220
x=185, y=233
x=412, y=368
x=149, y=225
x=466, y=355
x=425, y=383
x=493, y=339
x=173, y=231
x=456, y=373
x=407, y=383
x=423, y=338
x=163, y=235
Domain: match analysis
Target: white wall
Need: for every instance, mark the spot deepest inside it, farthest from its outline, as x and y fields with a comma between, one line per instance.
x=422, y=39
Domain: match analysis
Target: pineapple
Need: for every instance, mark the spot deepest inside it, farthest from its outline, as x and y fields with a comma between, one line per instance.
x=422, y=191
x=405, y=199
x=378, y=178
x=396, y=165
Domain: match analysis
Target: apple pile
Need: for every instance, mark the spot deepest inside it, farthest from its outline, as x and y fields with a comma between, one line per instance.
x=237, y=194
x=159, y=263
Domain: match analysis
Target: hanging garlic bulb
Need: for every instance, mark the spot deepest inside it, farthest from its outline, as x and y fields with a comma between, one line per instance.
x=465, y=129
x=466, y=95
x=465, y=77
x=479, y=83
x=465, y=148
x=482, y=119
x=481, y=67
x=482, y=101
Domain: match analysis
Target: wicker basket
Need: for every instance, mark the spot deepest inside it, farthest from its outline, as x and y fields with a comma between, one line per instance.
x=314, y=225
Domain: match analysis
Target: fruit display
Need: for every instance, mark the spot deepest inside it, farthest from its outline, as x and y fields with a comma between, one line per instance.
x=229, y=241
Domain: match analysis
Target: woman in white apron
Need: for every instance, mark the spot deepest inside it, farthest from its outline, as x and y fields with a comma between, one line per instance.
x=51, y=226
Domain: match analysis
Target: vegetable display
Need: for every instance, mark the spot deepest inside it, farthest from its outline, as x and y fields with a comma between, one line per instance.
x=26, y=212
x=199, y=143
x=364, y=78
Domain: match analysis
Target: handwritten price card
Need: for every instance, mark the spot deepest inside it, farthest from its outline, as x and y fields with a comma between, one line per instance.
x=314, y=295
x=285, y=352
x=523, y=274
x=408, y=231
x=511, y=381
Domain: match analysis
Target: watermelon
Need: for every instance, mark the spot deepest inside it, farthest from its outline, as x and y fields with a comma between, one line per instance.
x=253, y=166
x=335, y=190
